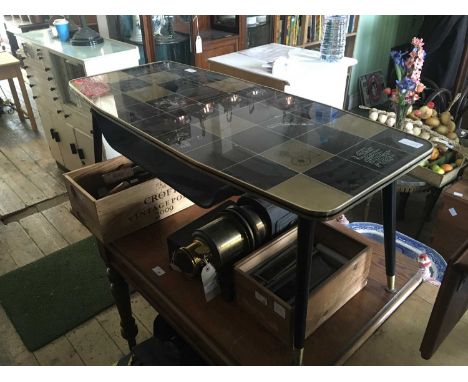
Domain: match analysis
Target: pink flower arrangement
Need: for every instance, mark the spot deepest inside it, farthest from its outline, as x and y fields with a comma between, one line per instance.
x=408, y=73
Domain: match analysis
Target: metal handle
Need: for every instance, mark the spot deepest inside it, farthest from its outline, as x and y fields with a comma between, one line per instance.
x=52, y=131
x=25, y=66
x=73, y=148
x=59, y=111
x=46, y=69
x=52, y=89
x=34, y=97
x=31, y=85
x=55, y=98
x=29, y=75
x=81, y=154
x=66, y=115
x=50, y=78
x=39, y=57
x=56, y=136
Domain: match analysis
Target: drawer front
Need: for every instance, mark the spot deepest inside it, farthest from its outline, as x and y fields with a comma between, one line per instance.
x=51, y=135
x=78, y=120
x=85, y=145
x=67, y=143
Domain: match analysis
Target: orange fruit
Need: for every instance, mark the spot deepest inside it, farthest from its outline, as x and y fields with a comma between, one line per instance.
x=447, y=167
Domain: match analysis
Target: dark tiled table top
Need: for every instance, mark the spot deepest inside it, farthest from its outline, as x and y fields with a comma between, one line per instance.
x=312, y=157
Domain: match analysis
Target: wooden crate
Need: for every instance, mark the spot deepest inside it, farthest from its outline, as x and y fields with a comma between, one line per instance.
x=119, y=214
x=433, y=178
x=276, y=314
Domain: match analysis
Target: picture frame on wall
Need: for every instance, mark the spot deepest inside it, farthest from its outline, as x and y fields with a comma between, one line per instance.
x=371, y=88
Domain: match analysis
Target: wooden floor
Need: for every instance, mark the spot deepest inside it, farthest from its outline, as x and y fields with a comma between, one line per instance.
x=35, y=221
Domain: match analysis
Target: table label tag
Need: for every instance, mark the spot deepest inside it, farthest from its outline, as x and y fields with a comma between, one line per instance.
x=159, y=271
x=409, y=142
x=261, y=298
x=210, y=282
x=190, y=70
x=452, y=211
x=458, y=194
x=279, y=309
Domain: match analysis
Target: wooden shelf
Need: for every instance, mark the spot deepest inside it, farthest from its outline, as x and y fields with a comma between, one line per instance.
x=317, y=42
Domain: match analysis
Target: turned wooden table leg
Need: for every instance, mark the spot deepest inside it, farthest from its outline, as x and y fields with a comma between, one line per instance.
x=120, y=291
x=16, y=100
x=29, y=109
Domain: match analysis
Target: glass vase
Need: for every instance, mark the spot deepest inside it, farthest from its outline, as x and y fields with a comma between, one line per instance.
x=401, y=111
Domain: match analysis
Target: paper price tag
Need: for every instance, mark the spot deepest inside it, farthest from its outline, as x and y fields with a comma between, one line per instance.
x=198, y=45
x=159, y=271
x=261, y=298
x=279, y=309
x=452, y=211
x=459, y=194
x=210, y=282
x=409, y=142
x=190, y=70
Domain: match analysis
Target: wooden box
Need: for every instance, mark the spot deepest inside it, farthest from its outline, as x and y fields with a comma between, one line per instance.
x=451, y=221
x=119, y=214
x=329, y=296
x=433, y=178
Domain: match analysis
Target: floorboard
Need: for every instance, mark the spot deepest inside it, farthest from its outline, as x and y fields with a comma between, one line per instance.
x=18, y=245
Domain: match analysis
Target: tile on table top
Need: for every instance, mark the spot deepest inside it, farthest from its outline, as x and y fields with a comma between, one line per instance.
x=258, y=139
x=202, y=93
x=135, y=112
x=159, y=125
x=229, y=85
x=224, y=125
x=345, y=176
x=397, y=139
x=310, y=194
x=378, y=157
x=317, y=112
x=129, y=84
x=260, y=172
x=203, y=77
x=328, y=139
x=159, y=77
x=198, y=112
x=112, y=100
x=289, y=125
x=296, y=155
x=149, y=92
x=171, y=102
x=177, y=86
x=112, y=77
x=257, y=112
x=187, y=138
x=256, y=93
x=220, y=154
x=355, y=125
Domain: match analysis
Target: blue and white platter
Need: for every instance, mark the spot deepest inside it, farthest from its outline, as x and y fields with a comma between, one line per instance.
x=406, y=245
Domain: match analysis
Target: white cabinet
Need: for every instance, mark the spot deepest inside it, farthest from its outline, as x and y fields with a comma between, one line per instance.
x=50, y=65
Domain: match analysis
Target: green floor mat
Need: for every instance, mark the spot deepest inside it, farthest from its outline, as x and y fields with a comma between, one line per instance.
x=53, y=295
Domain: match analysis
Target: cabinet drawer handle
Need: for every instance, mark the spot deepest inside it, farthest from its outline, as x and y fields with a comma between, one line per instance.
x=55, y=98
x=39, y=57
x=73, y=148
x=34, y=97
x=59, y=111
x=29, y=75
x=38, y=50
x=66, y=115
x=46, y=69
x=31, y=85
x=81, y=154
x=52, y=132
x=25, y=66
x=52, y=89
x=56, y=136
x=50, y=78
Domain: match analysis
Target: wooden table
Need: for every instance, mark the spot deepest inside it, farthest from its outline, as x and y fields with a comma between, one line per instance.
x=222, y=332
x=9, y=69
x=210, y=136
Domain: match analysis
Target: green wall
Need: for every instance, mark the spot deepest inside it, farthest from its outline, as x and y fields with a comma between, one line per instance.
x=376, y=36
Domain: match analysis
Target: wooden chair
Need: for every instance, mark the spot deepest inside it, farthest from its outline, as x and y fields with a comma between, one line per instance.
x=9, y=69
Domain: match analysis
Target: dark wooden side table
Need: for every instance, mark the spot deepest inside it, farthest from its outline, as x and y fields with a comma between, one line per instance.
x=211, y=136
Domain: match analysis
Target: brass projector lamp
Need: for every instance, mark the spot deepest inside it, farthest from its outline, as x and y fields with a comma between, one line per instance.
x=232, y=234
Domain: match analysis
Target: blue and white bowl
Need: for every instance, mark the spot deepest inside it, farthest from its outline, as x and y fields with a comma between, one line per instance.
x=406, y=245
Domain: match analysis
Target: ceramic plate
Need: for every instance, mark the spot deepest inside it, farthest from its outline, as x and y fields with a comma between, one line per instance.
x=405, y=244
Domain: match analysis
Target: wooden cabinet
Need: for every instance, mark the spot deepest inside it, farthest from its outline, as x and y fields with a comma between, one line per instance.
x=216, y=47
x=66, y=119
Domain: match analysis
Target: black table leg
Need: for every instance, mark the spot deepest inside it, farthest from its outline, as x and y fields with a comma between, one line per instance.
x=305, y=243
x=97, y=138
x=389, y=220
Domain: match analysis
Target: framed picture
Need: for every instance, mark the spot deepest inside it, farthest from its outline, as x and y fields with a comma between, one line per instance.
x=371, y=87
